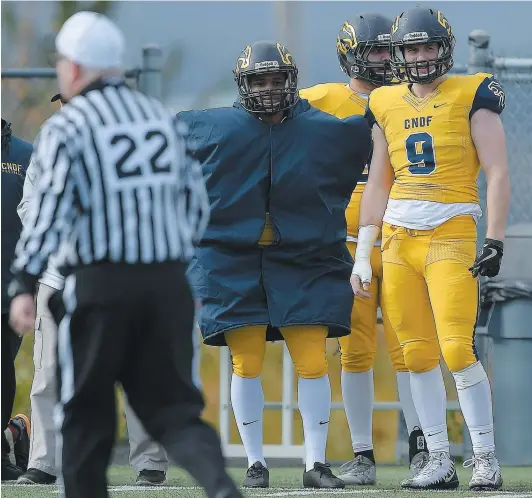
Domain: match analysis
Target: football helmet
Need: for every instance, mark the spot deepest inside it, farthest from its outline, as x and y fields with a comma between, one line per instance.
x=266, y=57
x=355, y=41
x=421, y=25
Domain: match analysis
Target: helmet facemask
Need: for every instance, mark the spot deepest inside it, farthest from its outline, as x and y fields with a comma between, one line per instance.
x=422, y=72
x=357, y=65
x=268, y=101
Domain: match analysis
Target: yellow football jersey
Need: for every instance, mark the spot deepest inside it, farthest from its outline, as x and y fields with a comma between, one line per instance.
x=340, y=101
x=429, y=140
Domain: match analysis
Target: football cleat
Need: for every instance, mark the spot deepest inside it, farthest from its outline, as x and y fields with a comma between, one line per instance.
x=418, y=462
x=257, y=476
x=320, y=477
x=361, y=471
x=486, y=472
x=438, y=473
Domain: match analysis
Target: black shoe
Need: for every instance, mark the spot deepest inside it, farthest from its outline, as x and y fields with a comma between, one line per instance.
x=257, y=476
x=10, y=472
x=321, y=476
x=36, y=476
x=22, y=444
x=151, y=478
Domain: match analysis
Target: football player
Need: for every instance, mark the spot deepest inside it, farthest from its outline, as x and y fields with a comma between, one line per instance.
x=363, y=51
x=431, y=136
x=273, y=263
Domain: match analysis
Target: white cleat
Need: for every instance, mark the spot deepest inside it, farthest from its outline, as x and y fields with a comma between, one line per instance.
x=438, y=473
x=418, y=462
x=358, y=472
x=486, y=472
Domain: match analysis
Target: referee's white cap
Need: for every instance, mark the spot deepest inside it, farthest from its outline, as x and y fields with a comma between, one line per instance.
x=92, y=41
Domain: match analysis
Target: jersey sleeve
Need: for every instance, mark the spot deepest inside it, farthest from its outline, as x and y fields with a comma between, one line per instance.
x=363, y=134
x=370, y=114
x=489, y=95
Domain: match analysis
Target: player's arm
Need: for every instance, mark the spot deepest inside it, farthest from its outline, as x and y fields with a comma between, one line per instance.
x=380, y=180
x=488, y=136
x=372, y=208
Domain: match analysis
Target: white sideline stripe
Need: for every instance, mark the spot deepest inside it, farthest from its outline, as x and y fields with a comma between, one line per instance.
x=132, y=488
x=317, y=492
x=510, y=494
x=277, y=492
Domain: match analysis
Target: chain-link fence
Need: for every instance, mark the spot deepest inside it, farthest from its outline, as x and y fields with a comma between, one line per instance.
x=26, y=92
x=518, y=128
x=515, y=75
x=146, y=78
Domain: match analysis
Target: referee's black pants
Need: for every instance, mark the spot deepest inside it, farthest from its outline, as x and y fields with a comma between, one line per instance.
x=130, y=324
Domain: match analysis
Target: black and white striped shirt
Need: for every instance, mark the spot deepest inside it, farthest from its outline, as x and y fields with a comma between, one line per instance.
x=117, y=184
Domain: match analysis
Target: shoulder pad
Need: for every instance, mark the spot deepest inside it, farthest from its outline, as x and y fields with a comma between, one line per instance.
x=488, y=94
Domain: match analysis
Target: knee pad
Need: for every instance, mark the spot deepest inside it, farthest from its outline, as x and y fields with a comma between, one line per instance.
x=356, y=361
x=458, y=355
x=247, y=346
x=470, y=376
x=247, y=365
x=421, y=356
x=307, y=349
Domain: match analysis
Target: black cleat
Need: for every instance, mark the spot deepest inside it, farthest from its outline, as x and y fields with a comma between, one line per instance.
x=257, y=476
x=36, y=476
x=151, y=478
x=321, y=476
x=10, y=472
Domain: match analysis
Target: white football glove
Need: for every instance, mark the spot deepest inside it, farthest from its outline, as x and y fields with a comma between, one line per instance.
x=367, y=236
x=362, y=268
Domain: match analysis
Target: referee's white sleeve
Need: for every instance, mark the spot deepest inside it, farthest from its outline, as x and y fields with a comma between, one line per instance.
x=52, y=209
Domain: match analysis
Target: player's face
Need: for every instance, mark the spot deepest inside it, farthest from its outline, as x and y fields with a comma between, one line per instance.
x=379, y=54
x=422, y=52
x=274, y=83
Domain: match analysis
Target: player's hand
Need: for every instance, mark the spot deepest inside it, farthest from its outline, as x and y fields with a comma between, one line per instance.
x=361, y=278
x=488, y=261
x=22, y=314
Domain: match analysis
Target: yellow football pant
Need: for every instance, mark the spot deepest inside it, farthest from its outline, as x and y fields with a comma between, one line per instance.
x=306, y=344
x=430, y=296
x=358, y=349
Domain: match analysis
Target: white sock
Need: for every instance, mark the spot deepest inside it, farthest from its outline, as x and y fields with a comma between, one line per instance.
x=407, y=403
x=357, y=392
x=247, y=399
x=430, y=400
x=314, y=399
x=474, y=395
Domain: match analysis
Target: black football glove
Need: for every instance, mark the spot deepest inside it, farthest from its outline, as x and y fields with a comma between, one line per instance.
x=488, y=261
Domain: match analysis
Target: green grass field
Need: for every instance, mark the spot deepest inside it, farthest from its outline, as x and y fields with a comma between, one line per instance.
x=286, y=482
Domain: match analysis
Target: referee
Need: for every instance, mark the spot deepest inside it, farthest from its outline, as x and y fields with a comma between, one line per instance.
x=121, y=204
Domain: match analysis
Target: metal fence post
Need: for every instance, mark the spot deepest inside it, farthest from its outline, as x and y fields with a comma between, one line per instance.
x=479, y=55
x=151, y=77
